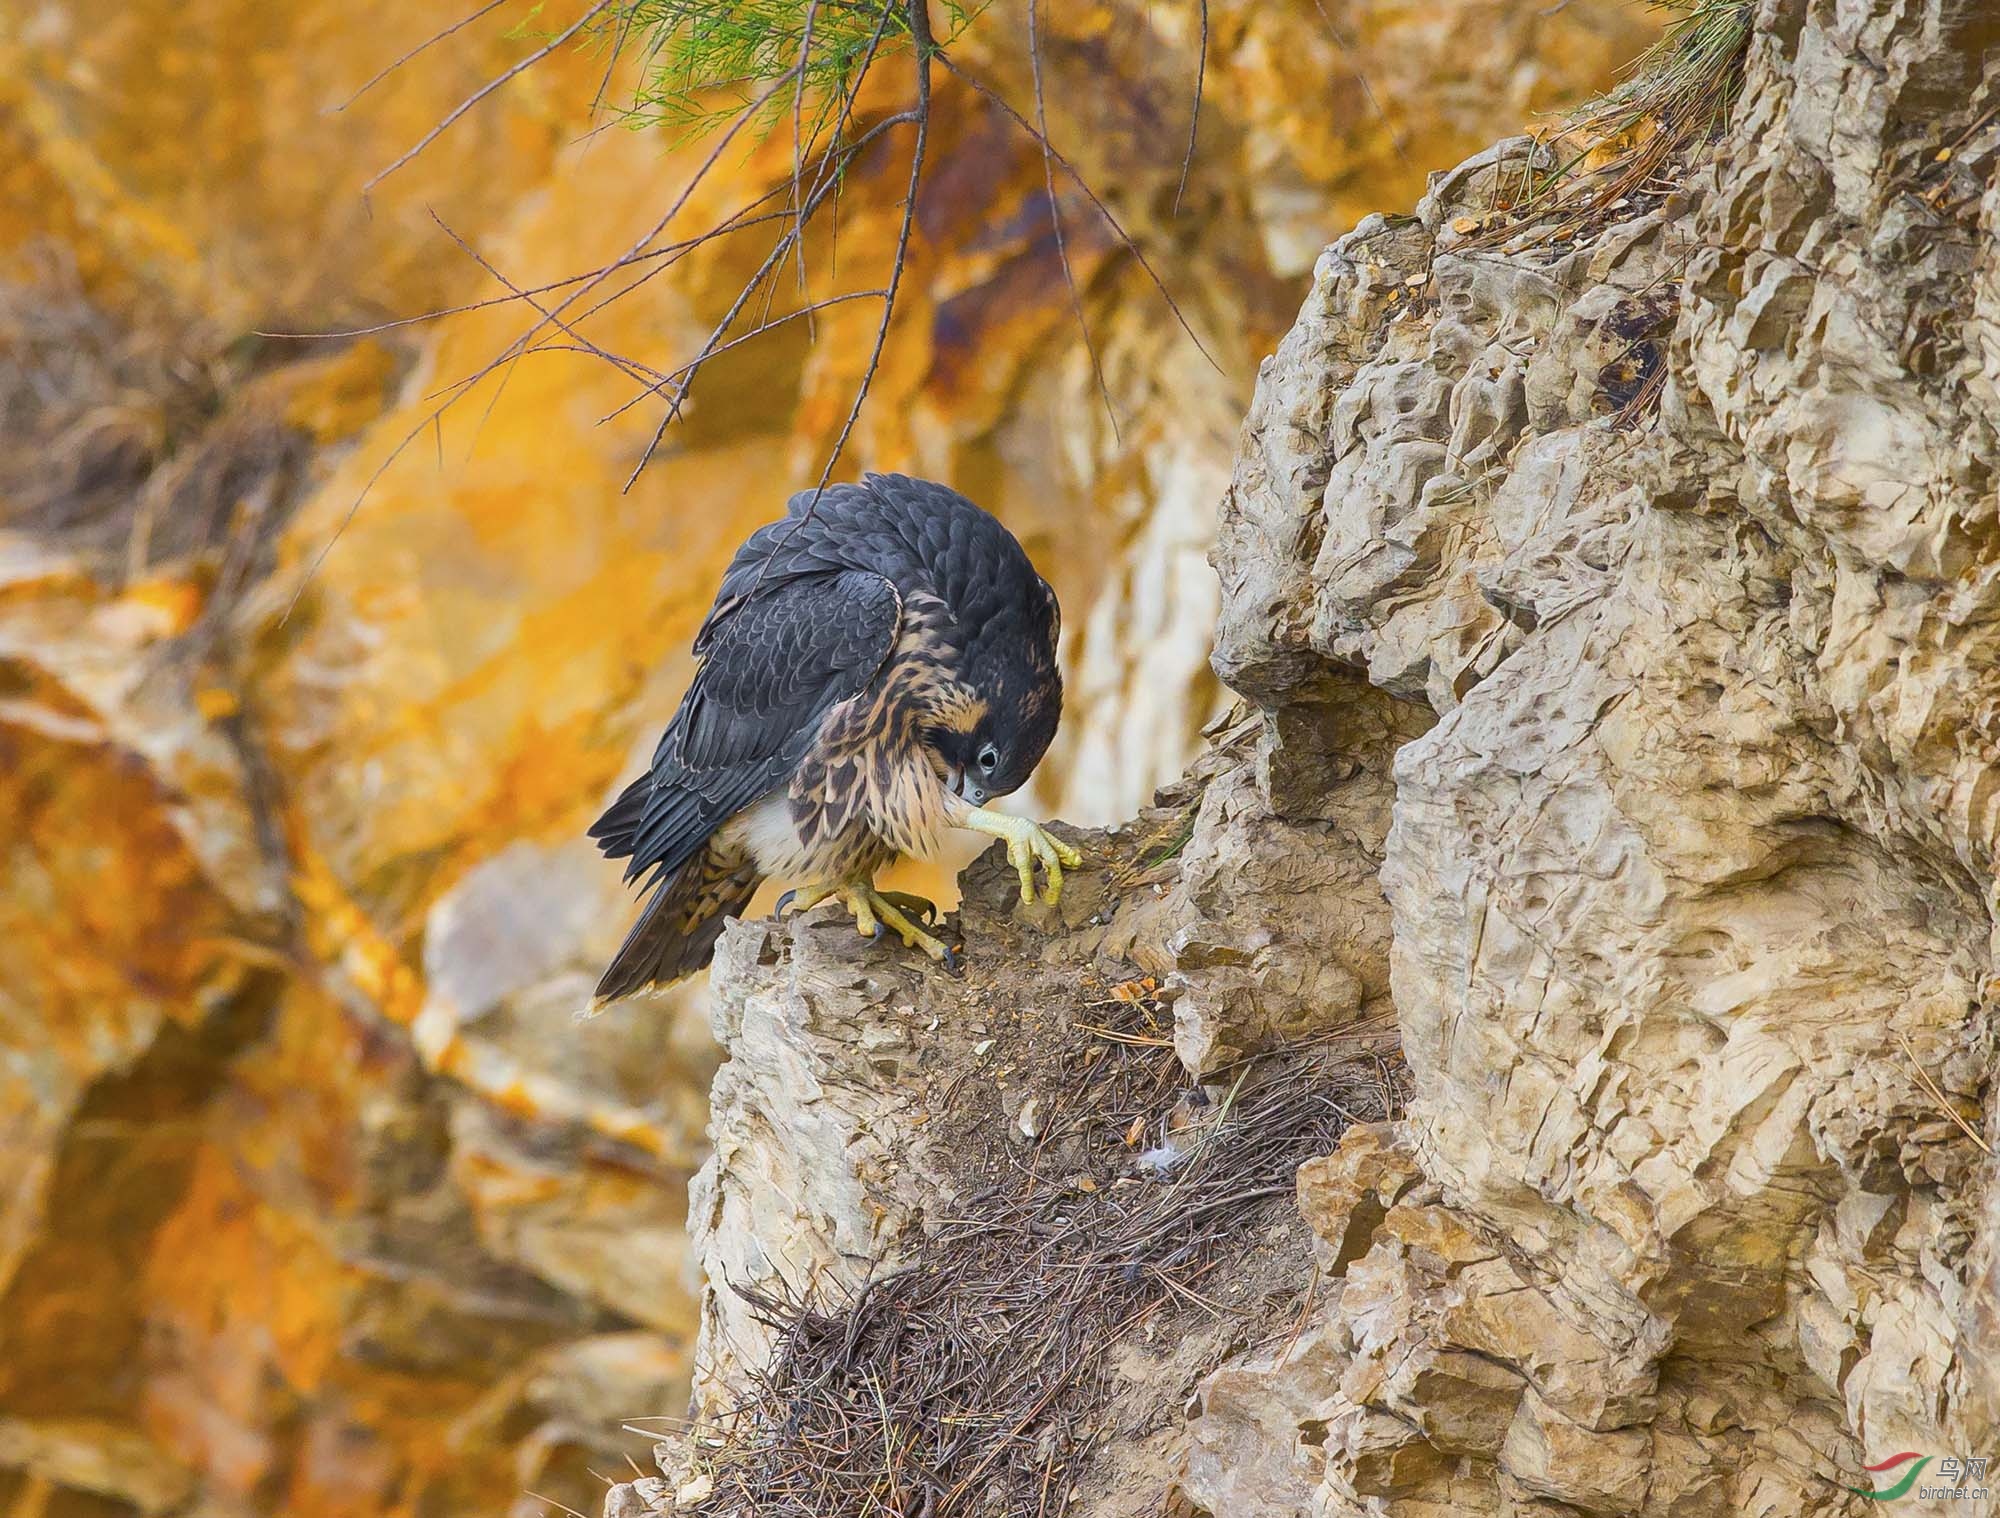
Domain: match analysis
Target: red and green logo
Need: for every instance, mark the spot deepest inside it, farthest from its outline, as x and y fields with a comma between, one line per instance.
x=1902, y=1483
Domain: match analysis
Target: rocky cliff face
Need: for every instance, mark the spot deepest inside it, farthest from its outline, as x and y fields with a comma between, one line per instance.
x=318, y=1200
x=1621, y=598
x=1691, y=885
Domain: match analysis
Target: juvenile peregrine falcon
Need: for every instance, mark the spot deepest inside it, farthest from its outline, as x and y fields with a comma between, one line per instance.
x=872, y=672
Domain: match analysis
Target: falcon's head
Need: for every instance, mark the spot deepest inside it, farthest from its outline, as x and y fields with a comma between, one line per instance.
x=1009, y=669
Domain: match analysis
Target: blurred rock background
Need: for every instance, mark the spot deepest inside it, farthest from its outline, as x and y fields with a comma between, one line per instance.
x=318, y=1200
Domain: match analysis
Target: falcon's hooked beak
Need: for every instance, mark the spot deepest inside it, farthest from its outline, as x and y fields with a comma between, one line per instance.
x=959, y=785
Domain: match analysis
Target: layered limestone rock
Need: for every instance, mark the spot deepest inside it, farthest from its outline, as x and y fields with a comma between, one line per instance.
x=323, y=1204
x=1692, y=883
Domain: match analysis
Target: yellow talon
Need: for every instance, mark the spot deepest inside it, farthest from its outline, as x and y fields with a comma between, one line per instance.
x=912, y=905
x=802, y=899
x=913, y=936
x=872, y=911
x=857, y=901
x=1027, y=842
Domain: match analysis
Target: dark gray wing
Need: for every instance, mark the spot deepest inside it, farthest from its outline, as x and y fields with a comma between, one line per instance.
x=773, y=663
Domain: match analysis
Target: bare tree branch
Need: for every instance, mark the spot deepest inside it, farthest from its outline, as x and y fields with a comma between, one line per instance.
x=1341, y=41
x=829, y=176
x=825, y=144
x=828, y=179
x=1194, y=112
x=920, y=34
x=625, y=20
x=632, y=367
x=488, y=88
x=530, y=343
x=806, y=311
x=926, y=51
x=798, y=148
x=521, y=345
x=1092, y=196
x=429, y=42
x=734, y=223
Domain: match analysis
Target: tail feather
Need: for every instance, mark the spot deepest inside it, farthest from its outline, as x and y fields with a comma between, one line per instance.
x=676, y=933
x=617, y=830
x=674, y=824
x=649, y=826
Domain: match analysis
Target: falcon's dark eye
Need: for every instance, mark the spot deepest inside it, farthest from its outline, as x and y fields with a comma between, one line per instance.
x=989, y=759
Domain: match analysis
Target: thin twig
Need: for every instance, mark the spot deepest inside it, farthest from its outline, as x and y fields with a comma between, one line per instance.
x=632, y=367
x=823, y=186
x=1097, y=202
x=736, y=222
x=625, y=21
x=436, y=37
x=1936, y=1094
x=459, y=388
x=486, y=89
x=920, y=35
x=798, y=115
x=1341, y=41
x=807, y=311
x=829, y=175
x=1305, y=1312
x=1194, y=111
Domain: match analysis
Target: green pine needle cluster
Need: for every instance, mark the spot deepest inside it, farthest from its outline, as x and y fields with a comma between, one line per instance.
x=705, y=61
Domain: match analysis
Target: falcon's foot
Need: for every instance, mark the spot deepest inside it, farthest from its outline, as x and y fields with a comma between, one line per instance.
x=875, y=910
x=1027, y=842
x=802, y=899
x=912, y=905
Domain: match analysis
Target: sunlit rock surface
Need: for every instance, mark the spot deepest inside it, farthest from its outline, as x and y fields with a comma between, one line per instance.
x=1691, y=885
x=320, y=1202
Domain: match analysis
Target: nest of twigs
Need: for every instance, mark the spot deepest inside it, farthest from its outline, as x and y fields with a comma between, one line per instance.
x=977, y=1378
